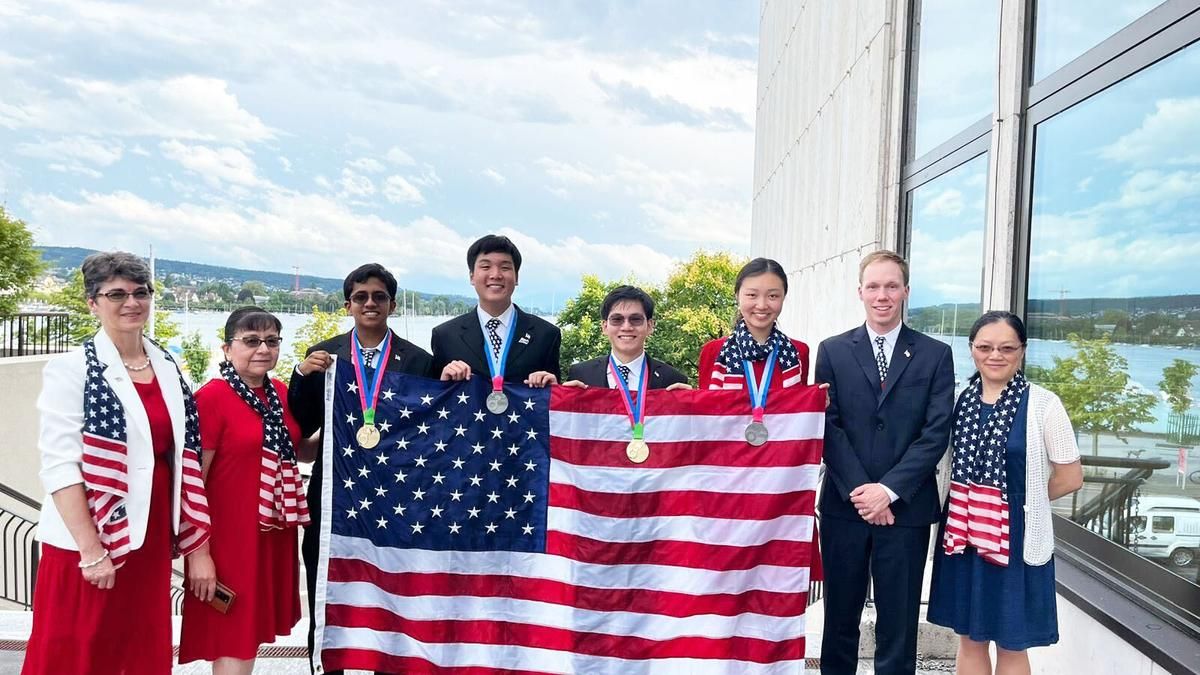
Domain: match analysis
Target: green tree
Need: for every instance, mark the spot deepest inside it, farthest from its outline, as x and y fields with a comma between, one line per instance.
x=579, y=321
x=320, y=327
x=697, y=305
x=81, y=324
x=1094, y=387
x=165, y=328
x=20, y=262
x=196, y=356
x=1177, y=384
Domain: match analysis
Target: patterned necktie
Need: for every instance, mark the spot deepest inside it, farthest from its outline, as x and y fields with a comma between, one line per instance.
x=881, y=360
x=494, y=337
x=368, y=356
x=625, y=371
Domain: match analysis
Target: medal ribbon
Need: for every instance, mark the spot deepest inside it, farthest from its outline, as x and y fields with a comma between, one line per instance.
x=370, y=391
x=637, y=413
x=758, y=394
x=496, y=363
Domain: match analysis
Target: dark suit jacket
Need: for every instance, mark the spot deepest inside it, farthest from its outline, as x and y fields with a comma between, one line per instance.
x=893, y=435
x=594, y=373
x=306, y=393
x=535, y=346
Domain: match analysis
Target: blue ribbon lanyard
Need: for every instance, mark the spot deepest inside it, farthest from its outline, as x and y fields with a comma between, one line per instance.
x=637, y=413
x=368, y=392
x=758, y=394
x=496, y=363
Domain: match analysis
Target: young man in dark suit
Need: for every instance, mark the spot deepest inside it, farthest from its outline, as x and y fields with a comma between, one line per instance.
x=370, y=293
x=463, y=345
x=887, y=425
x=627, y=319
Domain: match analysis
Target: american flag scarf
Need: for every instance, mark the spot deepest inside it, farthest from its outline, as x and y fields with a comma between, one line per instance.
x=281, y=501
x=978, y=514
x=105, y=464
x=741, y=346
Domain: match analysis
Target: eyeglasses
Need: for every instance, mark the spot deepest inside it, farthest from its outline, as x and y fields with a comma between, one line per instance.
x=254, y=342
x=1005, y=350
x=362, y=297
x=119, y=296
x=634, y=320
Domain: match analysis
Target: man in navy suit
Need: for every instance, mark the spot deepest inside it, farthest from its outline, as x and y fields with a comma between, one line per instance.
x=887, y=425
x=496, y=329
x=627, y=319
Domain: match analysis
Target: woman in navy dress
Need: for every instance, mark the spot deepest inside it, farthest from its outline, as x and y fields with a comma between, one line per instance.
x=1013, y=453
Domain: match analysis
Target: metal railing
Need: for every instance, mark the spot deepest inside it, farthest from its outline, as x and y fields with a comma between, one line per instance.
x=31, y=333
x=1108, y=510
x=18, y=551
x=1183, y=428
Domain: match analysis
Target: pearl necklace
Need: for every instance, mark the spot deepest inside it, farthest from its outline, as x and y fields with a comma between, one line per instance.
x=136, y=369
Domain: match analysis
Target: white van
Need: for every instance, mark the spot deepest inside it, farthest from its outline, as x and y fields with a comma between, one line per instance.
x=1167, y=527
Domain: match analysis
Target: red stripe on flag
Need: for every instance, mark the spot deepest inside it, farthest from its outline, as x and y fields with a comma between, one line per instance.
x=668, y=455
x=594, y=599
x=683, y=503
x=600, y=401
x=365, y=659
x=679, y=553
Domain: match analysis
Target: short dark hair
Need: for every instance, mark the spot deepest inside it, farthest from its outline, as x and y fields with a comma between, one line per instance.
x=996, y=316
x=98, y=268
x=250, y=318
x=883, y=255
x=624, y=293
x=493, y=243
x=760, y=266
x=364, y=272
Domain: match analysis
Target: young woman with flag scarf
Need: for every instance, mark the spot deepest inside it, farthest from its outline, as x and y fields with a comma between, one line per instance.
x=1013, y=453
x=760, y=289
x=250, y=443
x=120, y=457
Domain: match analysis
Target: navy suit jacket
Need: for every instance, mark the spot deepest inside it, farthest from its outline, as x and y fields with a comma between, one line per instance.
x=594, y=373
x=535, y=346
x=894, y=434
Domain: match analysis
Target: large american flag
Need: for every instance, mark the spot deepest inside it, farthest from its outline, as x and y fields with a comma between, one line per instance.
x=526, y=542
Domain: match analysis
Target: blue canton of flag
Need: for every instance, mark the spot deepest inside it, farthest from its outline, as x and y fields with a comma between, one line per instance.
x=446, y=473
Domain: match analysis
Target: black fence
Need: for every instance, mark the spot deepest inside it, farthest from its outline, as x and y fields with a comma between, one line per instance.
x=18, y=552
x=1107, y=508
x=31, y=333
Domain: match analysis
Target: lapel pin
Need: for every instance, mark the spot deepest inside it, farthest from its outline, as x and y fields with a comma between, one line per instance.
x=524, y=340
x=396, y=356
x=907, y=354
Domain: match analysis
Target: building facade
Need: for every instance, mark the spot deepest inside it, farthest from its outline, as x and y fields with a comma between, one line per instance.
x=1040, y=156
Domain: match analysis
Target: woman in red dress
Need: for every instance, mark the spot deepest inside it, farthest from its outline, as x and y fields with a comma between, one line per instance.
x=121, y=463
x=761, y=288
x=249, y=442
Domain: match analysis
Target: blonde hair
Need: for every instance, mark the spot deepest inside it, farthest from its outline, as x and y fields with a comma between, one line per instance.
x=880, y=256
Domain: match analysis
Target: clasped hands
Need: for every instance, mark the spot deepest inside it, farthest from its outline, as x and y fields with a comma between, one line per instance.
x=873, y=504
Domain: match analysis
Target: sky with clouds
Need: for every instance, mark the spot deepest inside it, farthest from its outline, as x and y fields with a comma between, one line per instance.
x=609, y=138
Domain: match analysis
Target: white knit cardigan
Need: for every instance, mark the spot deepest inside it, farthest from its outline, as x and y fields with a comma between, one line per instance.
x=1049, y=437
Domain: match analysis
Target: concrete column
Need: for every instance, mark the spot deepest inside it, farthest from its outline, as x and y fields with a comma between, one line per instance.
x=1004, y=157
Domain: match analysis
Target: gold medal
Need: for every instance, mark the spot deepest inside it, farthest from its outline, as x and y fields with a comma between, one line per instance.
x=637, y=451
x=368, y=436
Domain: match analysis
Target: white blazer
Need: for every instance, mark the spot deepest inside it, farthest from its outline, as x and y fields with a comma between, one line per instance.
x=60, y=440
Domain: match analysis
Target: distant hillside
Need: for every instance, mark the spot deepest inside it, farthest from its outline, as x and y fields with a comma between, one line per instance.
x=1092, y=306
x=64, y=260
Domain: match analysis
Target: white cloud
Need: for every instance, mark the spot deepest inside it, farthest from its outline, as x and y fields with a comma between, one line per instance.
x=400, y=157
x=189, y=107
x=82, y=148
x=427, y=178
x=355, y=185
x=399, y=191
x=564, y=259
x=286, y=164
x=571, y=174
x=75, y=168
x=1163, y=135
x=494, y=175
x=366, y=165
x=1083, y=185
x=948, y=203
x=214, y=165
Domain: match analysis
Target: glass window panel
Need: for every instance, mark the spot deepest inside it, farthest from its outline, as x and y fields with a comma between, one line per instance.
x=1114, y=303
x=956, y=65
x=1067, y=28
x=946, y=257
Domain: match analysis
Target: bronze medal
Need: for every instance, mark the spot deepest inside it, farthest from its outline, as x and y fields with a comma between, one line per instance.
x=367, y=436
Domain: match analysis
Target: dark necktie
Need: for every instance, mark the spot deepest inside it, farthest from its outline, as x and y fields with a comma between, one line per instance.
x=625, y=371
x=369, y=356
x=494, y=337
x=881, y=360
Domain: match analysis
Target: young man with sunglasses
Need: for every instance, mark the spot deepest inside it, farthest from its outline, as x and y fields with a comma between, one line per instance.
x=370, y=293
x=627, y=319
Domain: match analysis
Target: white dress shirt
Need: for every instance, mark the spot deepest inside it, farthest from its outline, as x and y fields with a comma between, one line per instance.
x=635, y=372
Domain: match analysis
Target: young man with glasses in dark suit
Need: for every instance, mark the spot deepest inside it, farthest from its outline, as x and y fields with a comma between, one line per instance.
x=370, y=293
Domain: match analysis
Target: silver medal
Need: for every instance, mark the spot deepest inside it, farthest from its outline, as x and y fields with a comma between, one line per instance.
x=497, y=402
x=756, y=433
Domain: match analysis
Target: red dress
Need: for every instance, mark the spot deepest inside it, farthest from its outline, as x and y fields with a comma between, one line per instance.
x=262, y=568
x=78, y=628
x=712, y=349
